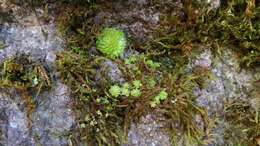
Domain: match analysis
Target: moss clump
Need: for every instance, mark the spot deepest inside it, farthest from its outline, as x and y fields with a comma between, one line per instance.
x=22, y=72
x=111, y=42
x=26, y=78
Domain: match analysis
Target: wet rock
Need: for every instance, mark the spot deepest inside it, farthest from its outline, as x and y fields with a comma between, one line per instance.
x=148, y=132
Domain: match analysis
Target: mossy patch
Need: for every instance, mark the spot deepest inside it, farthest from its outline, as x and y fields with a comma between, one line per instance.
x=27, y=78
x=156, y=75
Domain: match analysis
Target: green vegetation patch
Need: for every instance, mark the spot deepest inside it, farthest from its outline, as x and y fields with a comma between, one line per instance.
x=28, y=79
x=156, y=78
x=106, y=110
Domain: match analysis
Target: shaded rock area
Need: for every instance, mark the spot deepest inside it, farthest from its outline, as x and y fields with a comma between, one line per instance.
x=139, y=19
x=53, y=117
x=110, y=71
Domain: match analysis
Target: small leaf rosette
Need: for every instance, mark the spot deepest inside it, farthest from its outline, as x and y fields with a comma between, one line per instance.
x=111, y=42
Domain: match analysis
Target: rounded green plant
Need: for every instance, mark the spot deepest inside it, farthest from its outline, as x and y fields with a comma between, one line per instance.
x=135, y=93
x=125, y=89
x=158, y=98
x=111, y=42
x=137, y=84
x=115, y=90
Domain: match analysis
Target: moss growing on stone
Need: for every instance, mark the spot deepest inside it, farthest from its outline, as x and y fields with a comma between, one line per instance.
x=161, y=70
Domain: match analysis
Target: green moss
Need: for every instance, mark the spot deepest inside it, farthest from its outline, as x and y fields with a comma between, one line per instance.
x=159, y=74
x=28, y=78
x=111, y=42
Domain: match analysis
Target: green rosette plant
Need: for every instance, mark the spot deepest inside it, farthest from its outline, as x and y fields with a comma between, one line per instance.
x=111, y=42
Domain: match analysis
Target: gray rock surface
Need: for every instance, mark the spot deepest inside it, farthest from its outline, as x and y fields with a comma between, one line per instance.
x=148, y=132
x=53, y=117
x=109, y=70
x=27, y=33
x=29, y=40
x=139, y=18
x=47, y=124
x=228, y=83
x=49, y=120
x=214, y=3
x=229, y=80
x=14, y=123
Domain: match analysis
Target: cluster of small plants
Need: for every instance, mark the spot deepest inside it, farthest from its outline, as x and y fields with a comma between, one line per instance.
x=151, y=83
x=126, y=89
x=151, y=80
x=159, y=98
